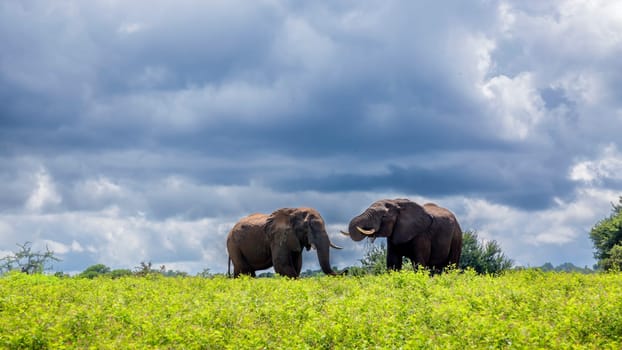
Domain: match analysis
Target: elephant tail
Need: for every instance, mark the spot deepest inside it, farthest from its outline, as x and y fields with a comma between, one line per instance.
x=229, y=266
x=456, y=247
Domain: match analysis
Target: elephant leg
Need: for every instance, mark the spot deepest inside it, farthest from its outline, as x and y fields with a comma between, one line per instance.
x=421, y=252
x=240, y=265
x=246, y=270
x=297, y=262
x=394, y=259
x=283, y=264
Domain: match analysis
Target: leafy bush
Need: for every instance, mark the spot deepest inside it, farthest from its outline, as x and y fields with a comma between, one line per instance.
x=95, y=271
x=614, y=259
x=483, y=257
x=607, y=238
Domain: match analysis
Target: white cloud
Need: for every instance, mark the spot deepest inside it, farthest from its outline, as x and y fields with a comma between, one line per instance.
x=120, y=241
x=100, y=187
x=301, y=46
x=535, y=237
x=587, y=88
x=567, y=28
x=130, y=28
x=607, y=166
x=44, y=193
x=515, y=104
x=60, y=248
x=595, y=26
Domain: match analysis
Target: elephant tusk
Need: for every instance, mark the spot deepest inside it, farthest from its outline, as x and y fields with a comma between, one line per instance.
x=345, y=233
x=366, y=232
x=335, y=246
x=313, y=246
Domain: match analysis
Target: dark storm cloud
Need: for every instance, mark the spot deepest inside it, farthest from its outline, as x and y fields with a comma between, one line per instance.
x=147, y=129
x=524, y=190
x=132, y=63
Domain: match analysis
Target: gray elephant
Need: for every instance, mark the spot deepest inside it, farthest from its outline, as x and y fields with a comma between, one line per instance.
x=260, y=241
x=428, y=235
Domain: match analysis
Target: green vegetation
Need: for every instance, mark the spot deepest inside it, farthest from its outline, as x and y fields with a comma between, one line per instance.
x=519, y=309
x=607, y=238
x=374, y=262
x=483, y=257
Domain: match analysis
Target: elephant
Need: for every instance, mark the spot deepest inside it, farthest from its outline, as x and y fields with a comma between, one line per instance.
x=259, y=241
x=428, y=235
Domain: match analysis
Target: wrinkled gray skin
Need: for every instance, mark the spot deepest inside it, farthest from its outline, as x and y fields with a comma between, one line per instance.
x=260, y=241
x=429, y=236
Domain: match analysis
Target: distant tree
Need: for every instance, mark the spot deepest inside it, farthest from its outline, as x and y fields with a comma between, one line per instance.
x=118, y=273
x=205, y=273
x=483, y=257
x=310, y=273
x=28, y=261
x=144, y=269
x=265, y=275
x=319, y=272
x=570, y=267
x=173, y=273
x=95, y=271
x=547, y=267
x=565, y=267
x=607, y=238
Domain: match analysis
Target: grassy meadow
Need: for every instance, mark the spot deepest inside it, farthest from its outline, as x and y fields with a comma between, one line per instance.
x=520, y=309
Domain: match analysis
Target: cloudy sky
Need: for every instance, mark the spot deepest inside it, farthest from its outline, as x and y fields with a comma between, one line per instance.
x=143, y=130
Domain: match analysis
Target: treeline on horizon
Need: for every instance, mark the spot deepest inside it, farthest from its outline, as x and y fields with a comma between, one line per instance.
x=484, y=258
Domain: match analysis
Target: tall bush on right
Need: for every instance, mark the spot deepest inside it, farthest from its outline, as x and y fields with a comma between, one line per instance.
x=607, y=238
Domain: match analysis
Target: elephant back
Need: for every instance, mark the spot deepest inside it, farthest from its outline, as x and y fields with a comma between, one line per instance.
x=437, y=211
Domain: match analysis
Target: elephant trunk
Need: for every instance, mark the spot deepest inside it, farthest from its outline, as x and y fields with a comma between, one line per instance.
x=323, y=245
x=360, y=222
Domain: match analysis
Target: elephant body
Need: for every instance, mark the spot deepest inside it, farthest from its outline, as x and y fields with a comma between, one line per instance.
x=428, y=235
x=260, y=241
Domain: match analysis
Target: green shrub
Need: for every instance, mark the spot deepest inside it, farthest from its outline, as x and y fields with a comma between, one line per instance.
x=410, y=310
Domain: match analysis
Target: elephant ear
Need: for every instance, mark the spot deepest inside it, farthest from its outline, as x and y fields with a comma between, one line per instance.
x=280, y=230
x=413, y=220
x=389, y=219
x=300, y=219
x=300, y=224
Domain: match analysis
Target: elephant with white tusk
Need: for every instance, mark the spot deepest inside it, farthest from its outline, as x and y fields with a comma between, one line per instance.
x=428, y=235
x=260, y=241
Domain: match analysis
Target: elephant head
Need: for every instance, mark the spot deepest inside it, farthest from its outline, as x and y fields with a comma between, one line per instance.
x=397, y=219
x=292, y=229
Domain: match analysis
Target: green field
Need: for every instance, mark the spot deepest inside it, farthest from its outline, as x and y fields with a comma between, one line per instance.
x=521, y=309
